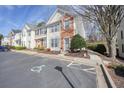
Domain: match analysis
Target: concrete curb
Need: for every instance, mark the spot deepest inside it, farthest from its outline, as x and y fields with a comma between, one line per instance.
x=60, y=57
x=108, y=79
x=101, y=83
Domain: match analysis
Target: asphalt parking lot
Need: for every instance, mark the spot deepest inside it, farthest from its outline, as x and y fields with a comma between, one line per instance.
x=19, y=70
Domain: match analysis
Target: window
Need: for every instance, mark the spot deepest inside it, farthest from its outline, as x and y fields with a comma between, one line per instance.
x=55, y=28
x=67, y=43
x=122, y=48
x=43, y=31
x=55, y=42
x=121, y=34
x=29, y=33
x=44, y=42
x=67, y=24
x=37, y=32
x=40, y=31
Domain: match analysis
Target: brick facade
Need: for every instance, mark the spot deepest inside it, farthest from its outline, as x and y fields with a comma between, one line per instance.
x=66, y=33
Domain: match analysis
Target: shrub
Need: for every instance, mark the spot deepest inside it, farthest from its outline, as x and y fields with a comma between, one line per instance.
x=100, y=48
x=119, y=70
x=91, y=47
x=20, y=48
x=12, y=47
x=77, y=42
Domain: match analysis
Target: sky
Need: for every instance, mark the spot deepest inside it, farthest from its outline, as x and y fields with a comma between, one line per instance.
x=15, y=17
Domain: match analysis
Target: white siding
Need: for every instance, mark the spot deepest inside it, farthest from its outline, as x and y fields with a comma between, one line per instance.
x=55, y=17
x=53, y=35
x=78, y=26
x=33, y=43
x=119, y=40
x=17, y=37
x=28, y=41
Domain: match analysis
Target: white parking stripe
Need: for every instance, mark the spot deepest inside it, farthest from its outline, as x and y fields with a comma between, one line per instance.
x=70, y=64
x=83, y=70
x=89, y=69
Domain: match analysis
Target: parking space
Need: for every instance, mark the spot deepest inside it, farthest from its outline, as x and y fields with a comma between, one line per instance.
x=82, y=67
x=23, y=71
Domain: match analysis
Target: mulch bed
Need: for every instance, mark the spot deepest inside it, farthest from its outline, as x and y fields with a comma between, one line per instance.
x=118, y=80
x=77, y=54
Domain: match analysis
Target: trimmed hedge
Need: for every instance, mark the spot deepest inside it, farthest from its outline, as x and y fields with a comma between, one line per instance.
x=20, y=48
x=100, y=48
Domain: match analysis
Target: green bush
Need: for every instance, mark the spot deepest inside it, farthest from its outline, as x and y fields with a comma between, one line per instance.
x=119, y=70
x=19, y=48
x=120, y=67
x=77, y=42
x=91, y=47
x=100, y=48
x=12, y=47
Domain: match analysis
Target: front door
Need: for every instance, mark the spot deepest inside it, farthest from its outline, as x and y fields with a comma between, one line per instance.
x=66, y=44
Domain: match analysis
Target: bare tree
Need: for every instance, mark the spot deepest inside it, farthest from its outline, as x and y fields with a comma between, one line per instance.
x=107, y=18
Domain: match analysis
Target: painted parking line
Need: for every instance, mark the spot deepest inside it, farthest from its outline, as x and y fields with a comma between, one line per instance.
x=37, y=69
x=89, y=70
x=70, y=64
x=86, y=70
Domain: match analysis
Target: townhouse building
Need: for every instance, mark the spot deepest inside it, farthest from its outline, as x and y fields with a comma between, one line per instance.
x=27, y=37
x=17, y=39
x=62, y=26
x=5, y=41
x=55, y=34
x=58, y=31
x=41, y=36
x=14, y=38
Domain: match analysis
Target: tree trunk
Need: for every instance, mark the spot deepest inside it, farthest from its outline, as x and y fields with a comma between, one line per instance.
x=112, y=48
x=109, y=48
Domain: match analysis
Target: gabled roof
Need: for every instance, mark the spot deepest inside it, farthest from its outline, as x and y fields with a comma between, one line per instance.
x=16, y=31
x=42, y=26
x=31, y=26
x=67, y=9
x=63, y=10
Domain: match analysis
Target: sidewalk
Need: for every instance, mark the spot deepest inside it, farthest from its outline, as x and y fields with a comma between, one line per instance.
x=85, y=61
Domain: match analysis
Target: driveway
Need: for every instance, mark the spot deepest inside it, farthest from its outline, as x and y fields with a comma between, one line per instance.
x=18, y=70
